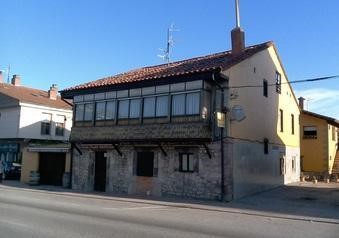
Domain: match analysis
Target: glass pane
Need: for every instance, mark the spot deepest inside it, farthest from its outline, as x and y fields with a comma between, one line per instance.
x=192, y=103
x=162, y=106
x=79, y=112
x=89, y=112
x=123, y=109
x=134, y=111
x=184, y=165
x=190, y=162
x=178, y=105
x=149, y=107
x=110, y=110
x=100, y=111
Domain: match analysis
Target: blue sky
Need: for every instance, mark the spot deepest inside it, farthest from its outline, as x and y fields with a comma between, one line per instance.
x=71, y=42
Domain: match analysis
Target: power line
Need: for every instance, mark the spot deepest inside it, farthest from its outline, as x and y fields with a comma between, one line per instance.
x=291, y=82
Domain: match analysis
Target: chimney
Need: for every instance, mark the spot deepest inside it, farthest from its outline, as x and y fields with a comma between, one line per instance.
x=237, y=34
x=53, y=92
x=1, y=77
x=301, y=103
x=16, y=80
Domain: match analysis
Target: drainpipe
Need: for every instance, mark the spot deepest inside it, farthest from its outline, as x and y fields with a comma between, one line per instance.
x=71, y=166
x=222, y=188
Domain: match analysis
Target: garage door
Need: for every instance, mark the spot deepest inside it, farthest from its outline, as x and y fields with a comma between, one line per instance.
x=52, y=168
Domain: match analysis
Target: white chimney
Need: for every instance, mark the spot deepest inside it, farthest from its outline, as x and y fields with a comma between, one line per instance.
x=16, y=80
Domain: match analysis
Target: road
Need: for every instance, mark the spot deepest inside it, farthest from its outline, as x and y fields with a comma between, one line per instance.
x=25, y=213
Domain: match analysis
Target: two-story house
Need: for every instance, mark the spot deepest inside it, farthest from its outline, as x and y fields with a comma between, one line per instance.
x=220, y=126
x=318, y=143
x=34, y=130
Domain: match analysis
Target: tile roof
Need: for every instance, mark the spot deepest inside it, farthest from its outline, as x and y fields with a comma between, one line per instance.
x=222, y=61
x=33, y=96
x=330, y=120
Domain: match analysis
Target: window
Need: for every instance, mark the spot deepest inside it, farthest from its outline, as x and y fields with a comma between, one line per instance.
x=178, y=105
x=333, y=133
x=265, y=88
x=149, y=107
x=145, y=164
x=89, y=109
x=46, y=124
x=60, y=125
x=265, y=146
x=281, y=112
x=45, y=128
x=310, y=132
x=162, y=106
x=59, y=129
x=186, y=162
x=134, y=110
x=100, y=111
x=294, y=164
x=292, y=123
x=282, y=166
x=79, y=112
x=186, y=104
x=192, y=103
x=278, y=82
x=110, y=110
x=123, y=109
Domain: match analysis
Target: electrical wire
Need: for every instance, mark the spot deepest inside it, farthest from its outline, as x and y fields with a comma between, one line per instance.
x=291, y=82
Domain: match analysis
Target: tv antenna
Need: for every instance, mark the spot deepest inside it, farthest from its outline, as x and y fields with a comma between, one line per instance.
x=8, y=72
x=169, y=44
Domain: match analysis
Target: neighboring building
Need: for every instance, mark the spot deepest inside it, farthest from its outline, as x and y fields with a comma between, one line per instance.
x=154, y=130
x=34, y=129
x=319, y=143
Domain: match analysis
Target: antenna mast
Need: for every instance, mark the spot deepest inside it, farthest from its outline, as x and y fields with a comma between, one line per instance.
x=169, y=44
x=237, y=13
x=8, y=72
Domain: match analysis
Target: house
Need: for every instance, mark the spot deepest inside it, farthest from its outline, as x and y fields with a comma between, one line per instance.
x=220, y=126
x=319, y=143
x=34, y=131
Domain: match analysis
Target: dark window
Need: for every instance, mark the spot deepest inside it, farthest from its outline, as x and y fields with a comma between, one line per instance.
x=265, y=87
x=162, y=106
x=186, y=104
x=281, y=112
x=89, y=109
x=110, y=110
x=45, y=128
x=100, y=111
x=134, y=108
x=192, y=103
x=149, y=107
x=123, y=109
x=282, y=166
x=310, y=132
x=186, y=162
x=292, y=123
x=266, y=146
x=145, y=164
x=59, y=129
x=79, y=112
x=178, y=105
x=278, y=82
x=333, y=133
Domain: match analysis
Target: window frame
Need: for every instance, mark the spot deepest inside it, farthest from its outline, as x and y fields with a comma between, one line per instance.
x=277, y=82
x=190, y=162
x=265, y=88
x=311, y=136
x=60, y=129
x=292, y=124
x=281, y=115
x=42, y=127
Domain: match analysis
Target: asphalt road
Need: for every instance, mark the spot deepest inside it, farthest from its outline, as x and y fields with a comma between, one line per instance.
x=40, y=214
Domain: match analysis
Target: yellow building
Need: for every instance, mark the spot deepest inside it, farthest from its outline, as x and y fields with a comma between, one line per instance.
x=319, y=143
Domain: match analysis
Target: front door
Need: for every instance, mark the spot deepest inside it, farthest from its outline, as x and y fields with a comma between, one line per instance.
x=100, y=172
x=52, y=168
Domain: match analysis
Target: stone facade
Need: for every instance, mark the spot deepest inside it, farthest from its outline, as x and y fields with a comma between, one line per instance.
x=167, y=181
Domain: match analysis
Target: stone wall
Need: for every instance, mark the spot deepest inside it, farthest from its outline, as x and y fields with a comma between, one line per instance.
x=194, y=130
x=168, y=181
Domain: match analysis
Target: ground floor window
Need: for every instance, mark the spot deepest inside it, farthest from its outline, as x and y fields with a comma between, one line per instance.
x=186, y=161
x=145, y=164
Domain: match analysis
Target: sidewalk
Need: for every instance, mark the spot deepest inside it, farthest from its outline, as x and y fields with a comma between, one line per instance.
x=299, y=201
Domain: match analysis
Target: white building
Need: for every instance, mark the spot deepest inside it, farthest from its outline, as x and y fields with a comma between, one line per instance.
x=34, y=129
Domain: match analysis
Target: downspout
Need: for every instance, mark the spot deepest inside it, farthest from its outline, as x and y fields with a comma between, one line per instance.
x=71, y=167
x=222, y=160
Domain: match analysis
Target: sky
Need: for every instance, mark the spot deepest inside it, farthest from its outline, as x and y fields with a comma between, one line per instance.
x=72, y=42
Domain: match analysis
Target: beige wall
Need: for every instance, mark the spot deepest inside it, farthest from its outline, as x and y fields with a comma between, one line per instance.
x=30, y=162
x=314, y=152
x=262, y=113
